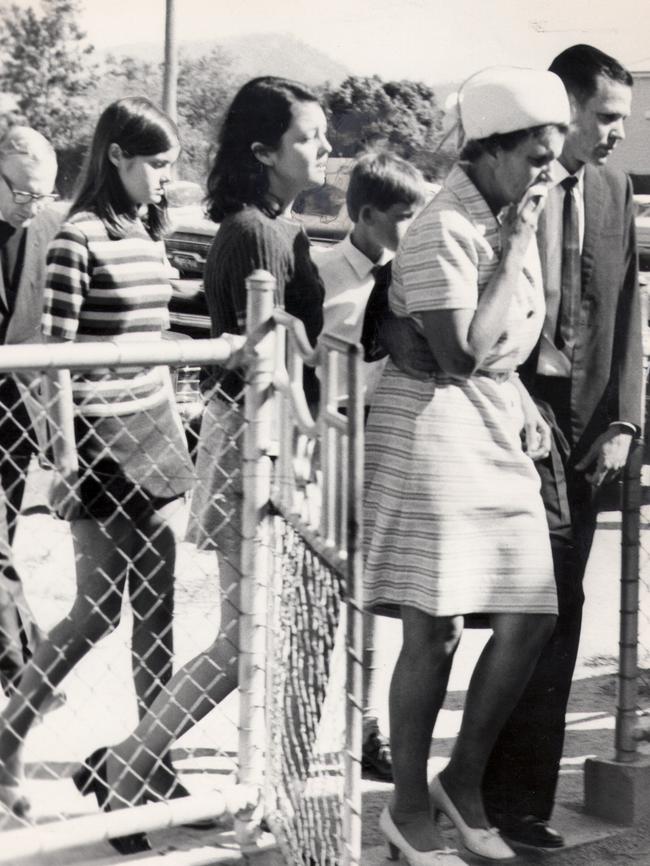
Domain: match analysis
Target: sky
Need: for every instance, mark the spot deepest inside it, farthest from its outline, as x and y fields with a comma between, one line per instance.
x=429, y=40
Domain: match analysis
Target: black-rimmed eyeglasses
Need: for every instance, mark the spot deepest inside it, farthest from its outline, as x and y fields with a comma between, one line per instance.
x=21, y=196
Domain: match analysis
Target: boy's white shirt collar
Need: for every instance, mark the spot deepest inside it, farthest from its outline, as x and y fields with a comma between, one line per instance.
x=359, y=262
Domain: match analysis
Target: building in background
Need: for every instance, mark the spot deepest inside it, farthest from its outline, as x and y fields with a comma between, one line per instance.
x=633, y=155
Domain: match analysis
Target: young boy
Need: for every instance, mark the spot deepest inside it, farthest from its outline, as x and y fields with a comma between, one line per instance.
x=384, y=194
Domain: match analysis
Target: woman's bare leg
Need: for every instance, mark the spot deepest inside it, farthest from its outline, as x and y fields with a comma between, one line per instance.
x=500, y=675
x=194, y=690
x=417, y=691
x=151, y=592
x=101, y=571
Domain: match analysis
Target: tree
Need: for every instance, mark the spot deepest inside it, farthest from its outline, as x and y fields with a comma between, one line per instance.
x=402, y=116
x=45, y=63
x=206, y=85
x=204, y=88
x=127, y=76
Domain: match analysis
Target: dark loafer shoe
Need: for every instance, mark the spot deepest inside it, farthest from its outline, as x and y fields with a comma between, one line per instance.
x=529, y=830
x=376, y=758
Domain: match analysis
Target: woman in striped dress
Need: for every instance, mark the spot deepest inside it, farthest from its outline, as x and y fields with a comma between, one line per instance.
x=454, y=518
x=118, y=444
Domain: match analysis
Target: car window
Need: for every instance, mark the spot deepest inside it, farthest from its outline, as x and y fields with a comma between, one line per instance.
x=325, y=201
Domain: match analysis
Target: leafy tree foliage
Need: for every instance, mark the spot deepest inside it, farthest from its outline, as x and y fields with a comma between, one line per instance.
x=45, y=62
x=402, y=116
x=128, y=76
x=206, y=85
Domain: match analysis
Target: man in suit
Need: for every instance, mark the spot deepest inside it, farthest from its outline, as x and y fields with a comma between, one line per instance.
x=27, y=174
x=586, y=376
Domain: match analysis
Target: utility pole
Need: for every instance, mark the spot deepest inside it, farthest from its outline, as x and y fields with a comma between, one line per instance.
x=171, y=61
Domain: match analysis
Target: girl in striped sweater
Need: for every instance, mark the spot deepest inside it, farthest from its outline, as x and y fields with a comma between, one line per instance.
x=118, y=444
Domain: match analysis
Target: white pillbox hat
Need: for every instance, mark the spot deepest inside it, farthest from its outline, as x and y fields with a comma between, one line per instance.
x=503, y=99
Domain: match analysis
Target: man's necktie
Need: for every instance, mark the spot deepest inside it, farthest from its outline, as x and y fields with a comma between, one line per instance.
x=6, y=231
x=11, y=268
x=570, y=283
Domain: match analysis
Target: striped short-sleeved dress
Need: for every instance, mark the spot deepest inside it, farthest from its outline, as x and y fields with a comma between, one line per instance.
x=454, y=520
x=100, y=288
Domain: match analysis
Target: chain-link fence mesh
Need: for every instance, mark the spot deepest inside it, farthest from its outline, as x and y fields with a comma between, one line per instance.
x=307, y=736
x=129, y=594
x=315, y=671
x=150, y=582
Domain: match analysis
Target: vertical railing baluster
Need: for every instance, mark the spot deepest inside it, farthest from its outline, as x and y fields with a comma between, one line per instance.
x=626, y=710
x=256, y=547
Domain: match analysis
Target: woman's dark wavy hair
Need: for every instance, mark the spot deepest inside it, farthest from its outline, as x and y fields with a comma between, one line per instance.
x=261, y=111
x=140, y=129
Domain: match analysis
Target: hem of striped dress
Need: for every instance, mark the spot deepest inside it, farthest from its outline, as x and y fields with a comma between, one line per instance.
x=384, y=606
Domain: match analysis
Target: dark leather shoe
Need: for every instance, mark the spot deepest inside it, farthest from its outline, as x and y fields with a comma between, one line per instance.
x=528, y=830
x=376, y=758
x=90, y=778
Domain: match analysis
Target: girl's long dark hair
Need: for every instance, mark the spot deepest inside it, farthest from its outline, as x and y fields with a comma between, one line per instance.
x=261, y=111
x=140, y=129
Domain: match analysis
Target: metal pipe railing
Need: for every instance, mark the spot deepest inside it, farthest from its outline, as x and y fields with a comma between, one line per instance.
x=354, y=642
x=256, y=546
x=342, y=540
x=626, y=710
x=90, y=829
x=79, y=356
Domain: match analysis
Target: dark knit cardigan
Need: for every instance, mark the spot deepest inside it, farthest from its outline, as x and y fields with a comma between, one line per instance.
x=246, y=241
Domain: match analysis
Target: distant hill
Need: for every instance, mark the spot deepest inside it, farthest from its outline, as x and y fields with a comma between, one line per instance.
x=255, y=54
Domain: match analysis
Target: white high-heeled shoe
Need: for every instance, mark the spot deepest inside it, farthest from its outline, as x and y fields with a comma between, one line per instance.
x=486, y=842
x=397, y=843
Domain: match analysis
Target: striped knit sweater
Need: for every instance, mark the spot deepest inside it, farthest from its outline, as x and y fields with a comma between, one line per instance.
x=99, y=288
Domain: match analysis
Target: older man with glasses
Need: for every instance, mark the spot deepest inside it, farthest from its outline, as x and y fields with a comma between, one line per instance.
x=28, y=170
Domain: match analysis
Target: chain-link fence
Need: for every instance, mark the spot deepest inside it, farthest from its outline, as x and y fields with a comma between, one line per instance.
x=313, y=775
x=194, y=564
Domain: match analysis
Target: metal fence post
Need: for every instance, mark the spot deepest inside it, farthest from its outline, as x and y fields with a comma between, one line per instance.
x=256, y=546
x=354, y=666
x=626, y=710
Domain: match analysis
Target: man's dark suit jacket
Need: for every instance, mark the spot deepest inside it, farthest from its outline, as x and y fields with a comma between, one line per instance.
x=606, y=379
x=605, y=386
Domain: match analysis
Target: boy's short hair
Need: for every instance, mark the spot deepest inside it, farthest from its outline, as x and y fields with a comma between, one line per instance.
x=383, y=179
